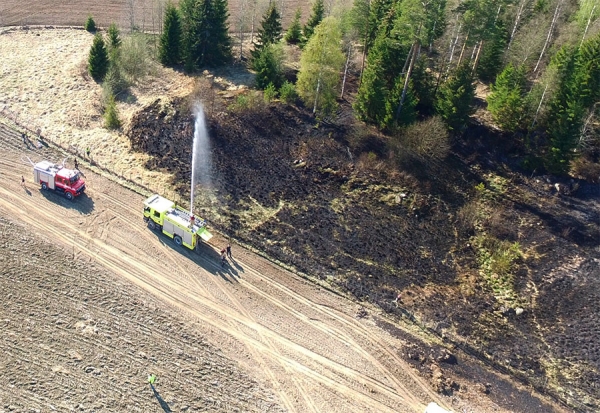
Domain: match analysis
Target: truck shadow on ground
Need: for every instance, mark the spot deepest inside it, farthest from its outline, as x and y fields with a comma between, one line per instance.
x=83, y=203
x=205, y=256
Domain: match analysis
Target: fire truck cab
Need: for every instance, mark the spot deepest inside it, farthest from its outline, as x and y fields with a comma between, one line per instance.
x=58, y=178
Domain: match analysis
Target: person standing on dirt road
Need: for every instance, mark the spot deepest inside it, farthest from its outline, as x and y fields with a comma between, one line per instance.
x=76, y=165
x=229, y=250
x=223, y=257
x=22, y=181
x=152, y=380
x=87, y=152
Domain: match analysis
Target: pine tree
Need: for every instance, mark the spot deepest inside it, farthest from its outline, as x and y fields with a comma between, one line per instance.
x=293, y=35
x=490, y=60
x=317, y=14
x=455, y=97
x=408, y=115
x=98, y=59
x=169, y=52
x=114, y=41
x=218, y=51
x=579, y=78
x=320, y=66
x=423, y=89
x=506, y=103
x=90, y=25
x=268, y=66
x=206, y=40
x=384, y=65
x=269, y=32
x=111, y=117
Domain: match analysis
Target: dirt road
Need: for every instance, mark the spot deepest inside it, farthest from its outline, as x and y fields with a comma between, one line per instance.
x=303, y=341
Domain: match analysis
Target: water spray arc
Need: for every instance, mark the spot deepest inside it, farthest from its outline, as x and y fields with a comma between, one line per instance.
x=201, y=155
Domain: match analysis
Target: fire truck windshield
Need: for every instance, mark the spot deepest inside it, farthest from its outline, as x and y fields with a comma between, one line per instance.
x=74, y=179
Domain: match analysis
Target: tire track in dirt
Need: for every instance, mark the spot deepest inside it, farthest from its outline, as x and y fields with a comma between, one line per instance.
x=139, y=273
x=380, y=344
x=175, y=292
x=243, y=311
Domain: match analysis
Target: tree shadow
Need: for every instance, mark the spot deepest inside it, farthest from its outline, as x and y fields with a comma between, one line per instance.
x=161, y=401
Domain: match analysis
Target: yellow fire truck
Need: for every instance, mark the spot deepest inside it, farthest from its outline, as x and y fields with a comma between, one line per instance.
x=165, y=216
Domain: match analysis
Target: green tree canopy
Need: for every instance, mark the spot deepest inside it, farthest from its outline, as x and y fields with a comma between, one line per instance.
x=267, y=65
x=98, y=58
x=270, y=31
x=316, y=17
x=506, y=103
x=114, y=40
x=293, y=35
x=206, y=40
x=169, y=52
x=455, y=98
x=320, y=66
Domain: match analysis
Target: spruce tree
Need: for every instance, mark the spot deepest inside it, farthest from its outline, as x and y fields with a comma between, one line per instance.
x=506, y=103
x=206, y=40
x=218, y=51
x=490, y=60
x=114, y=41
x=320, y=65
x=408, y=114
x=577, y=93
x=269, y=32
x=293, y=35
x=268, y=67
x=98, y=59
x=317, y=14
x=90, y=25
x=169, y=52
x=384, y=65
x=455, y=98
x=111, y=117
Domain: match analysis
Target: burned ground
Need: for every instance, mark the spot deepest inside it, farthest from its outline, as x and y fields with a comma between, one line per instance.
x=295, y=189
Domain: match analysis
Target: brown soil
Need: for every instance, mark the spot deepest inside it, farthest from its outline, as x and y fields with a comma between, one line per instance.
x=288, y=188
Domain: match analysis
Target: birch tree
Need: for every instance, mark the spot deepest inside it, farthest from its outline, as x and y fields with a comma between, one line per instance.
x=320, y=65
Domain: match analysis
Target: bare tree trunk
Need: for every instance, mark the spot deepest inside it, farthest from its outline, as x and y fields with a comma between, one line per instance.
x=364, y=54
x=517, y=20
x=463, y=50
x=408, y=57
x=587, y=26
x=453, y=45
x=253, y=20
x=477, y=56
x=416, y=49
x=131, y=14
x=539, y=107
x=549, y=36
x=346, y=69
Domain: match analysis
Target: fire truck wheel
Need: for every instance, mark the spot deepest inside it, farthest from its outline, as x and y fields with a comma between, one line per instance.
x=69, y=196
x=177, y=239
x=151, y=225
x=44, y=186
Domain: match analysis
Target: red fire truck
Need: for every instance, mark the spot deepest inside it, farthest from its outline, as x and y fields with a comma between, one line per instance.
x=58, y=178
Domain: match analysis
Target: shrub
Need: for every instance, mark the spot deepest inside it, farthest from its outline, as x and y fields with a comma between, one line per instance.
x=287, y=92
x=428, y=138
x=270, y=93
x=246, y=102
x=586, y=169
x=135, y=60
x=111, y=118
x=90, y=24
